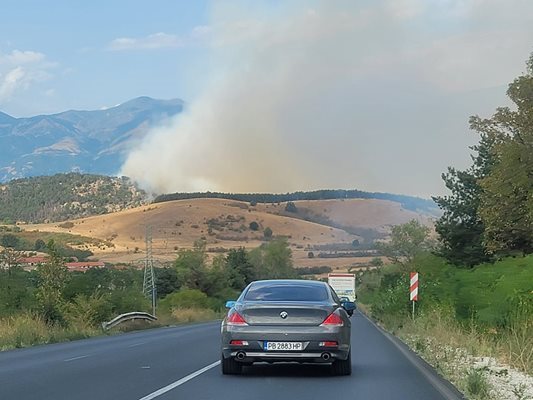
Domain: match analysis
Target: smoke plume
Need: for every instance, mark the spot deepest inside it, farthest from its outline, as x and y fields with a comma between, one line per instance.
x=338, y=95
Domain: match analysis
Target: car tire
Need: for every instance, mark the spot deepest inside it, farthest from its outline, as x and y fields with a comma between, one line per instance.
x=230, y=366
x=343, y=367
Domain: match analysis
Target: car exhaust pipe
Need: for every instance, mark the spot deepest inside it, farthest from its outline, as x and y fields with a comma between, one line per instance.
x=326, y=356
x=241, y=355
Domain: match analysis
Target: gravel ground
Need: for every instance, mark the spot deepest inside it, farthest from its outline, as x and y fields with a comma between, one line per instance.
x=506, y=383
x=455, y=364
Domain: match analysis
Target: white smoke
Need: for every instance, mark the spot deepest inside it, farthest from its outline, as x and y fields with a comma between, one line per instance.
x=340, y=95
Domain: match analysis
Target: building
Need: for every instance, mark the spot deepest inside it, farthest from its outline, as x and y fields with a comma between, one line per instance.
x=30, y=263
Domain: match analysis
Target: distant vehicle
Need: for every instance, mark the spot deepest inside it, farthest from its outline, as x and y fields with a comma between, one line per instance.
x=286, y=320
x=344, y=286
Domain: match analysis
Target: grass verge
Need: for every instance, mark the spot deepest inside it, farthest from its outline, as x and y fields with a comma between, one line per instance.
x=464, y=354
x=26, y=330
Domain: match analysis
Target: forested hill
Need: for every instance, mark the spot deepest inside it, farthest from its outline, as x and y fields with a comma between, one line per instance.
x=408, y=202
x=65, y=196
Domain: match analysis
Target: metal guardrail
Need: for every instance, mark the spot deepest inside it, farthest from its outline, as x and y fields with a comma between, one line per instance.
x=128, y=317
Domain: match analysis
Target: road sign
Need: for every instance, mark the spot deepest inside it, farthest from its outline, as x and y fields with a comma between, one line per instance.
x=413, y=291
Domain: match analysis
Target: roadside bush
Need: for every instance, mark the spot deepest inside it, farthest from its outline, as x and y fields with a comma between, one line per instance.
x=187, y=315
x=267, y=233
x=27, y=329
x=185, y=298
x=128, y=300
x=88, y=311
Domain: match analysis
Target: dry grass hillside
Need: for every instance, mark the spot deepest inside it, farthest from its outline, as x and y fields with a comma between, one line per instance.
x=363, y=213
x=225, y=224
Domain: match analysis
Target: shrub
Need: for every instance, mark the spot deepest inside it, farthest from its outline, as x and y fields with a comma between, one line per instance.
x=88, y=311
x=193, y=314
x=267, y=233
x=477, y=384
x=10, y=240
x=291, y=207
x=254, y=226
x=185, y=298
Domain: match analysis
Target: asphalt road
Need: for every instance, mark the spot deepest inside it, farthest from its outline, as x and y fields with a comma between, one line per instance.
x=182, y=363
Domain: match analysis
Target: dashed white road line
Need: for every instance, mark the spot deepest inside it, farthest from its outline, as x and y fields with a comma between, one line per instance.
x=136, y=344
x=75, y=358
x=167, y=388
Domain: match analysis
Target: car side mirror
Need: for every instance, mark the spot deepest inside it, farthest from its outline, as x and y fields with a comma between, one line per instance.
x=230, y=303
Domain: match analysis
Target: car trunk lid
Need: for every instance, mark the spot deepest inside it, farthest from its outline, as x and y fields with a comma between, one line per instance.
x=286, y=313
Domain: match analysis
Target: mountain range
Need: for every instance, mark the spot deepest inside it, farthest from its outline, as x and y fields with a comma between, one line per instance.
x=80, y=141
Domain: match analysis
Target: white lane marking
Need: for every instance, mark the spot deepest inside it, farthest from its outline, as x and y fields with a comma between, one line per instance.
x=165, y=389
x=75, y=358
x=136, y=344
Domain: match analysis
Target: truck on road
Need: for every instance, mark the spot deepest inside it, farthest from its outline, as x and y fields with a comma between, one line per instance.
x=343, y=284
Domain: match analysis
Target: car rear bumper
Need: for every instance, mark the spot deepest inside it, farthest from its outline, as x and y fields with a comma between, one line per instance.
x=326, y=356
x=310, y=337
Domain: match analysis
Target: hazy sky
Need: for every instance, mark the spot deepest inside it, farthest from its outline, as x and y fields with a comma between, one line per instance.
x=281, y=96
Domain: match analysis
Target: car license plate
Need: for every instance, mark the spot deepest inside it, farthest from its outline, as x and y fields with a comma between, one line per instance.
x=283, y=346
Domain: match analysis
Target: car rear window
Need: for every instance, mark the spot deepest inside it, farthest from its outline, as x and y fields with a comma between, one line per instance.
x=286, y=293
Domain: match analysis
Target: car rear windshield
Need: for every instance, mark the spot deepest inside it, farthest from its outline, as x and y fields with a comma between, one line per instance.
x=286, y=293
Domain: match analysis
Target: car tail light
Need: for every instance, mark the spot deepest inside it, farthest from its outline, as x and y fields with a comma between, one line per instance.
x=239, y=343
x=333, y=319
x=236, y=319
x=328, y=344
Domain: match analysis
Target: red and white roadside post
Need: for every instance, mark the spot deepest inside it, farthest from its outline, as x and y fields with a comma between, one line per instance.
x=413, y=290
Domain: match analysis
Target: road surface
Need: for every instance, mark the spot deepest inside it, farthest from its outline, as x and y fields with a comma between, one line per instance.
x=183, y=363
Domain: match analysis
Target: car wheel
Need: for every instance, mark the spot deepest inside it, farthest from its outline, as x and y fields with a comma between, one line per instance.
x=343, y=367
x=230, y=366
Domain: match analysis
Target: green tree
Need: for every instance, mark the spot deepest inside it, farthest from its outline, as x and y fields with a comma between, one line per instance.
x=273, y=260
x=460, y=228
x=88, y=311
x=216, y=279
x=191, y=266
x=291, y=207
x=407, y=240
x=239, y=270
x=267, y=233
x=87, y=283
x=254, y=226
x=10, y=240
x=506, y=208
x=53, y=276
x=40, y=245
x=16, y=288
x=129, y=299
x=10, y=259
x=376, y=262
x=167, y=281
x=185, y=298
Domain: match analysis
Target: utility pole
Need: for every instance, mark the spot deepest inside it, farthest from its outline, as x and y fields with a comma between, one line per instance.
x=149, y=288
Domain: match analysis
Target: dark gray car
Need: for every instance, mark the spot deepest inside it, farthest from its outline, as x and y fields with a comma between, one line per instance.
x=287, y=320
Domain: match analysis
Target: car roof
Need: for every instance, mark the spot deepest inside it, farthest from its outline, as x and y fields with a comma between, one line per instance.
x=288, y=282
